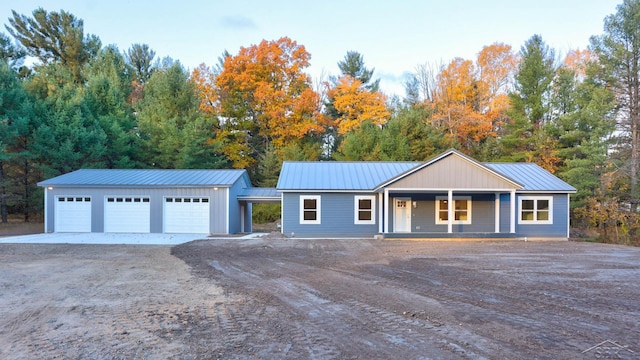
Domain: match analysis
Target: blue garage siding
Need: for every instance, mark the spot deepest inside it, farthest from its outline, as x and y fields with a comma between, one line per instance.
x=337, y=213
x=560, y=219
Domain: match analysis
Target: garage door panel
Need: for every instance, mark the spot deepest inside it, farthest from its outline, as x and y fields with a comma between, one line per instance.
x=72, y=214
x=186, y=215
x=127, y=214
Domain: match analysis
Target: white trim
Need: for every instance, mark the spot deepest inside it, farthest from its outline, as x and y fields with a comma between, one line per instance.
x=451, y=209
x=497, y=213
x=228, y=201
x=470, y=190
x=317, y=209
x=281, y=215
x=535, y=221
x=356, y=209
x=386, y=211
x=380, y=211
x=568, y=216
x=546, y=192
x=46, y=215
x=512, y=212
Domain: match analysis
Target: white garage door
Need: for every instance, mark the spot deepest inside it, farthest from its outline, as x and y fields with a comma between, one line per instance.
x=73, y=214
x=189, y=215
x=127, y=214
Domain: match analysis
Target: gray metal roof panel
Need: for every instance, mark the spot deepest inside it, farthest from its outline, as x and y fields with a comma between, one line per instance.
x=531, y=176
x=146, y=177
x=258, y=192
x=338, y=175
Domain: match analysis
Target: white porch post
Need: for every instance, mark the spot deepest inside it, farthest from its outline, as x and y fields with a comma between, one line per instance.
x=380, y=215
x=497, y=213
x=46, y=214
x=512, y=202
x=386, y=213
x=450, y=212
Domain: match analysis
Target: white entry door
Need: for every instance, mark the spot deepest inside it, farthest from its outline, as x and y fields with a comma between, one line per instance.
x=73, y=214
x=127, y=214
x=189, y=215
x=402, y=218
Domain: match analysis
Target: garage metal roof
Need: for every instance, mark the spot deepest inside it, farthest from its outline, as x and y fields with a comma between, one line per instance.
x=146, y=178
x=532, y=177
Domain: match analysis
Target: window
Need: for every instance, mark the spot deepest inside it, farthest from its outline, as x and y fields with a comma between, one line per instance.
x=365, y=211
x=309, y=209
x=461, y=210
x=536, y=210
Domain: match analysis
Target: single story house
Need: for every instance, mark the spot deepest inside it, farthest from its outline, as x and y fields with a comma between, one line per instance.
x=149, y=201
x=449, y=196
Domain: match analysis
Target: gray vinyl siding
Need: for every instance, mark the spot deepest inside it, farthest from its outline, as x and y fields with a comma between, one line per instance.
x=423, y=215
x=156, y=196
x=337, y=215
x=560, y=219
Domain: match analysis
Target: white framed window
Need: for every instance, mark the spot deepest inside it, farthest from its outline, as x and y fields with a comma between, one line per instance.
x=535, y=210
x=461, y=210
x=310, y=209
x=365, y=210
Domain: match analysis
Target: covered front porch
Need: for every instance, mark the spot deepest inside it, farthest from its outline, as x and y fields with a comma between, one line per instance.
x=451, y=213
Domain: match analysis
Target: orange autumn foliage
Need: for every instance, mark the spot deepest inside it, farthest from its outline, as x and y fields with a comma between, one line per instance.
x=355, y=104
x=264, y=89
x=470, y=100
x=204, y=80
x=577, y=60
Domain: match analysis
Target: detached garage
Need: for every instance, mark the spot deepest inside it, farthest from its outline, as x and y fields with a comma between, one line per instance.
x=147, y=201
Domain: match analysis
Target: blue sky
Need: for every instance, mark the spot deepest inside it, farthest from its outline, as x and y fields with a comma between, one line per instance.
x=393, y=36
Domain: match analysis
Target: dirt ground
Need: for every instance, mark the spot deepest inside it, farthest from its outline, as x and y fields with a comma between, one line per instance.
x=320, y=299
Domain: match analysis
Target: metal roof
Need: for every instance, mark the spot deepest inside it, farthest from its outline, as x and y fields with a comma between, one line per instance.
x=338, y=175
x=363, y=175
x=146, y=178
x=532, y=177
x=253, y=194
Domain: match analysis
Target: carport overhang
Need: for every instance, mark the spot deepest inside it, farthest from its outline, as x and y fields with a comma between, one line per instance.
x=260, y=195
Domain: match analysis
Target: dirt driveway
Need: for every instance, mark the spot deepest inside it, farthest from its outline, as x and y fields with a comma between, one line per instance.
x=321, y=299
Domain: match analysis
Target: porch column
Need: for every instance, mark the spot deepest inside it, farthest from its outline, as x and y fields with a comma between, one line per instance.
x=450, y=212
x=512, y=202
x=497, y=213
x=386, y=213
x=380, y=210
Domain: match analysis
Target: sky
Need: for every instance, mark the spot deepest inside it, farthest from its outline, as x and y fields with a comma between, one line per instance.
x=394, y=37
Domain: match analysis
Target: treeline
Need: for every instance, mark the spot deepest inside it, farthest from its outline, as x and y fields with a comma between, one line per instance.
x=85, y=105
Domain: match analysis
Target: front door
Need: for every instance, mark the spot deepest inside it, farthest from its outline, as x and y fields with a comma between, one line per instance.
x=402, y=218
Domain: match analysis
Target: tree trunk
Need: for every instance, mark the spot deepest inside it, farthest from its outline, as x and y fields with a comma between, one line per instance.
x=634, y=118
x=3, y=196
x=26, y=191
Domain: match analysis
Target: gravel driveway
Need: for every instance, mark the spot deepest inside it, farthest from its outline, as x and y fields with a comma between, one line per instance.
x=320, y=299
